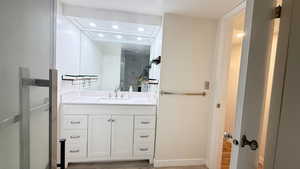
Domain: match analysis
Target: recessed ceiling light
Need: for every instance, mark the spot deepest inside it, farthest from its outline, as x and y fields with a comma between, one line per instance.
x=240, y=35
x=139, y=38
x=141, y=29
x=100, y=35
x=115, y=27
x=119, y=36
x=92, y=24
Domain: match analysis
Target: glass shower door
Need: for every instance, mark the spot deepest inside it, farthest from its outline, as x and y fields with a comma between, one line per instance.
x=26, y=40
x=28, y=137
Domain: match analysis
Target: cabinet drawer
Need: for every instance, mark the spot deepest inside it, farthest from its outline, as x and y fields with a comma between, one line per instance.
x=144, y=122
x=143, y=136
x=76, y=137
x=143, y=150
x=75, y=151
x=75, y=122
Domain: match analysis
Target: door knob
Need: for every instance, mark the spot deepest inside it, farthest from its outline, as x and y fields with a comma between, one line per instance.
x=235, y=142
x=252, y=144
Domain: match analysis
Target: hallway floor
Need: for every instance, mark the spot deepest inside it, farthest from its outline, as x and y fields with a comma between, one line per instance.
x=125, y=165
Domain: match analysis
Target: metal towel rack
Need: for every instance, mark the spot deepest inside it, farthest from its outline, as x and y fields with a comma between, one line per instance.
x=8, y=120
x=11, y=119
x=163, y=92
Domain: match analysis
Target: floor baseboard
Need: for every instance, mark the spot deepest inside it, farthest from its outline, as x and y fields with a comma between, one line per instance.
x=178, y=162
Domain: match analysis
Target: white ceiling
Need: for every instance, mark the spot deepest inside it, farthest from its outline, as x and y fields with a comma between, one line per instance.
x=111, y=37
x=197, y=8
x=125, y=33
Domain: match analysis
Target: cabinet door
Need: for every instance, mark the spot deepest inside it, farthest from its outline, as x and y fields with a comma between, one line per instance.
x=122, y=137
x=99, y=132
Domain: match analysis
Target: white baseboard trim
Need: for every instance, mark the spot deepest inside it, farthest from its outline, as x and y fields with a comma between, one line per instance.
x=179, y=162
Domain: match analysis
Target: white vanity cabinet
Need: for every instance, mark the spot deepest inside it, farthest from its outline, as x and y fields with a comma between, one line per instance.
x=99, y=134
x=144, y=133
x=122, y=137
x=75, y=132
x=108, y=132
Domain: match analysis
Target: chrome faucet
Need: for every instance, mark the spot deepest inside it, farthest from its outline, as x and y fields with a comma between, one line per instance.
x=117, y=89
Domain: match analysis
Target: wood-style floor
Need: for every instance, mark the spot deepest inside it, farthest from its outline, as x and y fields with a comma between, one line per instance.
x=125, y=165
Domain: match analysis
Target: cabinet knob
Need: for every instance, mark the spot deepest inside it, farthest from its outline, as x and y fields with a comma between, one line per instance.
x=143, y=149
x=74, y=137
x=75, y=122
x=74, y=151
x=145, y=136
x=111, y=120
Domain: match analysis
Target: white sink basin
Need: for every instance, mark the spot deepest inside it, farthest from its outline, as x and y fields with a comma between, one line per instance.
x=110, y=100
x=113, y=98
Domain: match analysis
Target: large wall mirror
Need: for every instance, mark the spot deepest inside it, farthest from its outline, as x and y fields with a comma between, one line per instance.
x=109, y=55
x=121, y=66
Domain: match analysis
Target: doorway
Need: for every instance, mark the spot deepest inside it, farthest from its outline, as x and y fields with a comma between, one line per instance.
x=233, y=52
x=235, y=48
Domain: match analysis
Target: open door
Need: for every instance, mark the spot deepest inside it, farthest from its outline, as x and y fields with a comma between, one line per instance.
x=252, y=85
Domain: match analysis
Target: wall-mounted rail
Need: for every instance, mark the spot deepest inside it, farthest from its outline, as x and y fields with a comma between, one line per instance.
x=163, y=92
x=12, y=118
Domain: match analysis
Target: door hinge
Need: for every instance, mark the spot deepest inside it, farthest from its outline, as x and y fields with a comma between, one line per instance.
x=277, y=12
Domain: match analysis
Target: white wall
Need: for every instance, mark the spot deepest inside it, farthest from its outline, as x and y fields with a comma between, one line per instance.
x=111, y=65
x=91, y=57
x=183, y=121
x=76, y=54
x=68, y=47
x=91, y=60
x=155, y=51
x=67, y=52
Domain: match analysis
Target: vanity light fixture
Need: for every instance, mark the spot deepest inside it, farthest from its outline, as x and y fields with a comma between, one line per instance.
x=119, y=36
x=100, y=35
x=139, y=38
x=141, y=29
x=92, y=24
x=115, y=27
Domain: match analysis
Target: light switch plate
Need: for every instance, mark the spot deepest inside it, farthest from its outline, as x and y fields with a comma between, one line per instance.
x=206, y=85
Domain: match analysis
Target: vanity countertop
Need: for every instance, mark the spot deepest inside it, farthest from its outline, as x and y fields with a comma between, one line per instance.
x=109, y=101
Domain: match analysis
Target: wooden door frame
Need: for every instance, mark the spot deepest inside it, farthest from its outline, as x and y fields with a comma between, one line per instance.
x=222, y=71
x=278, y=84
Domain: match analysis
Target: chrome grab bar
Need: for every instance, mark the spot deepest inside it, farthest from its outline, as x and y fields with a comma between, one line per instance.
x=163, y=92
